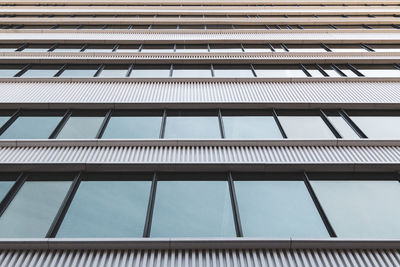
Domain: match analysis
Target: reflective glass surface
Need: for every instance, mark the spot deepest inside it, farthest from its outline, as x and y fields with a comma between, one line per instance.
x=5, y=186
x=236, y=71
x=305, y=127
x=40, y=72
x=133, y=127
x=3, y=119
x=279, y=71
x=278, y=209
x=107, y=209
x=33, y=209
x=198, y=71
x=343, y=127
x=31, y=127
x=192, y=127
x=379, y=127
x=150, y=71
x=81, y=127
x=361, y=209
x=250, y=127
x=192, y=209
x=76, y=72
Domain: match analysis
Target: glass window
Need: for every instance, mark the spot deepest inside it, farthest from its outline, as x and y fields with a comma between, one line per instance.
x=314, y=71
x=133, y=126
x=379, y=127
x=361, y=209
x=278, y=209
x=107, y=209
x=198, y=71
x=131, y=48
x=227, y=48
x=385, y=47
x=192, y=209
x=239, y=127
x=9, y=47
x=31, y=127
x=346, y=48
x=79, y=71
x=378, y=70
x=99, y=48
x=192, y=126
x=3, y=119
x=41, y=71
x=114, y=71
x=150, y=71
x=36, y=48
x=68, y=48
x=305, y=127
x=257, y=48
x=33, y=209
x=7, y=71
x=81, y=127
x=343, y=127
x=157, y=48
x=192, y=48
x=279, y=71
x=233, y=71
x=305, y=48
x=278, y=48
x=5, y=186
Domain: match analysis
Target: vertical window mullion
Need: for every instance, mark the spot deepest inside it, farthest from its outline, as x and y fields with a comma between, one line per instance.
x=12, y=192
x=350, y=122
x=55, y=225
x=22, y=71
x=221, y=124
x=253, y=71
x=235, y=207
x=115, y=48
x=212, y=71
x=99, y=70
x=329, y=124
x=10, y=121
x=171, y=70
x=163, y=122
x=103, y=125
x=278, y=123
x=60, y=71
x=61, y=124
x=150, y=207
x=317, y=204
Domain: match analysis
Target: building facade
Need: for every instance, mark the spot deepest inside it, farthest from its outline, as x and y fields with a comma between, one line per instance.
x=199, y=133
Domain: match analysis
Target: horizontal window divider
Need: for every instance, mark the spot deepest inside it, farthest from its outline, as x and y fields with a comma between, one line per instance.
x=4, y=143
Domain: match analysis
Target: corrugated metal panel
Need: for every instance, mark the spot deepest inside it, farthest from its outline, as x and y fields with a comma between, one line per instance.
x=202, y=154
x=201, y=258
x=287, y=36
x=200, y=92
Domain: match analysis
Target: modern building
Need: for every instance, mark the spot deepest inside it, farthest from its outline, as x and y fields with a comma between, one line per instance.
x=199, y=133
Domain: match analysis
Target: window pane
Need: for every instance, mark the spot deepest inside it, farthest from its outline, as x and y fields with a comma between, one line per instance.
x=191, y=48
x=131, y=48
x=192, y=127
x=3, y=119
x=99, y=48
x=361, y=209
x=305, y=127
x=150, y=71
x=8, y=47
x=343, y=127
x=378, y=70
x=379, y=126
x=155, y=48
x=192, y=209
x=114, y=71
x=41, y=71
x=251, y=127
x=68, y=48
x=107, y=209
x=36, y=48
x=76, y=71
x=346, y=48
x=5, y=186
x=31, y=127
x=305, y=48
x=133, y=127
x=279, y=71
x=294, y=216
x=385, y=47
x=257, y=48
x=81, y=127
x=225, y=48
x=234, y=71
x=33, y=209
x=198, y=71
x=9, y=70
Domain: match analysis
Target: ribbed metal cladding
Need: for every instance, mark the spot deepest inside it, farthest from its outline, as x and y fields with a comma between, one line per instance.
x=201, y=258
x=202, y=154
x=203, y=92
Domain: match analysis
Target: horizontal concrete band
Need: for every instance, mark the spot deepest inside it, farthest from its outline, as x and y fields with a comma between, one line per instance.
x=193, y=243
x=202, y=36
x=174, y=93
x=202, y=58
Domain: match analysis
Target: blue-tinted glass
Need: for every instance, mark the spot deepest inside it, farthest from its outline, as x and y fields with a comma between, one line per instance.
x=379, y=127
x=81, y=127
x=107, y=209
x=192, y=209
x=251, y=127
x=278, y=209
x=30, y=127
x=192, y=127
x=133, y=127
x=3, y=119
x=33, y=209
x=4, y=188
x=361, y=209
